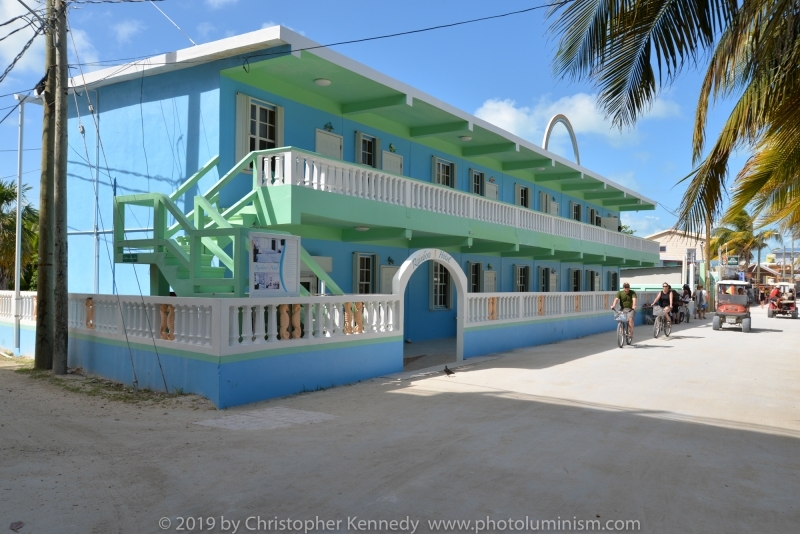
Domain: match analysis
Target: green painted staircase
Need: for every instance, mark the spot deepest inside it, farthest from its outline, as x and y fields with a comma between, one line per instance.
x=210, y=257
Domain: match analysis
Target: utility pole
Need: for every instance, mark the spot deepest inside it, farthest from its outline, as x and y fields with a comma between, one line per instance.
x=60, y=287
x=44, y=288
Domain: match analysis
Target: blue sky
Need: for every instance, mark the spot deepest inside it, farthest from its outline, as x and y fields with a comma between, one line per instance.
x=499, y=69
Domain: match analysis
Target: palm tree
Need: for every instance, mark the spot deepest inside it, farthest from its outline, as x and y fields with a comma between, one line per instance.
x=737, y=233
x=631, y=50
x=8, y=230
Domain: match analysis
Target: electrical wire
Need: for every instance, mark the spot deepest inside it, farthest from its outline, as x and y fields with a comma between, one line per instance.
x=132, y=61
x=108, y=253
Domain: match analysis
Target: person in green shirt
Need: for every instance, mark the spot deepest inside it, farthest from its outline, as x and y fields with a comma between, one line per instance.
x=627, y=299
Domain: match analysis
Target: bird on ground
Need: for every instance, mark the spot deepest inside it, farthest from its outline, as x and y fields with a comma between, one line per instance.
x=448, y=372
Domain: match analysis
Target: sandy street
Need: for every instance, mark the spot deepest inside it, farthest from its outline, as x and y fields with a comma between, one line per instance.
x=697, y=433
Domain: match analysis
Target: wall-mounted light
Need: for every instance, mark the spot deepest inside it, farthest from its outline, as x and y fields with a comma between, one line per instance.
x=322, y=82
x=489, y=266
x=491, y=179
x=328, y=127
x=465, y=138
x=361, y=228
x=392, y=148
x=390, y=260
x=552, y=270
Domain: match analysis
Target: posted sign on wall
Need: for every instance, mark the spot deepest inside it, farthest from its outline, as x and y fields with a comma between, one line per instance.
x=274, y=265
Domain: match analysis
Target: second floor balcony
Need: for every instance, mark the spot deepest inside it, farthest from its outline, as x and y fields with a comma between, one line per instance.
x=367, y=204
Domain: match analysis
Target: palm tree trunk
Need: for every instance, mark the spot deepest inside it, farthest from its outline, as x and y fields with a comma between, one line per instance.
x=758, y=267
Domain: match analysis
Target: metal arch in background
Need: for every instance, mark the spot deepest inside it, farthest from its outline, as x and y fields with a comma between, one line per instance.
x=565, y=121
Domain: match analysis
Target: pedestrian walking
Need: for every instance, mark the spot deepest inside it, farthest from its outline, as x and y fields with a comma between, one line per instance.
x=701, y=302
x=762, y=296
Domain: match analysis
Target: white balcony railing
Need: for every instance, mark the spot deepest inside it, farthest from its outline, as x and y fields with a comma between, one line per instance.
x=298, y=167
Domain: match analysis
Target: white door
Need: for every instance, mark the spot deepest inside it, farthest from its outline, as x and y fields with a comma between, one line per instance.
x=489, y=281
x=392, y=162
x=329, y=144
x=491, y=191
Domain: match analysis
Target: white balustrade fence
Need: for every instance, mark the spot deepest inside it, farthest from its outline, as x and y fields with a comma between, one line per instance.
x=27, y=305
x=493, y=307
x=297, y=167
x=227, y=326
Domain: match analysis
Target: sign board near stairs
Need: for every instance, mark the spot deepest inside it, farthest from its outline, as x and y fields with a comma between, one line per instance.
x=274, y=265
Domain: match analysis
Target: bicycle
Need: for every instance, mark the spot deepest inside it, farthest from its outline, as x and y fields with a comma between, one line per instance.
x=658, y=314
x=623, y=332
x=683, y=312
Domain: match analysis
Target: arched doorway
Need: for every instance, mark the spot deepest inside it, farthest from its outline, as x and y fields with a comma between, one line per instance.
x=459, y=279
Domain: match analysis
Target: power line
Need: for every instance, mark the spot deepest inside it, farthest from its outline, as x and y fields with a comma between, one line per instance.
x=134, y=59
x=102, y=225
x=14, y=175
x=173, y=23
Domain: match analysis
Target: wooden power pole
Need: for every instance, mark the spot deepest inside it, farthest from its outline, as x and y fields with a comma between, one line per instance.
x=60, y=287
x=44, y=289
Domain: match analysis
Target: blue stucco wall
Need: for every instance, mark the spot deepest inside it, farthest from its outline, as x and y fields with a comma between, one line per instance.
x=27, y=338
x=230, y=383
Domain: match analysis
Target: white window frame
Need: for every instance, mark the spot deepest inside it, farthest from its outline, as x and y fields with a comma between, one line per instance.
x=439, y=163
x=471, y=276
x=434, y=304
x=358, y=156
x=576, y=211
x=522, y=278
x=544, y=279
x=544, y=201
x=575, y=280
x=357, y=289
x=613, y=281
x=477, y=181
x=242, y=128
x=522, y=196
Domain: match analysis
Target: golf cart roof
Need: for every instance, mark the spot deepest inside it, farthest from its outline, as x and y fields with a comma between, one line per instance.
x=734, y=283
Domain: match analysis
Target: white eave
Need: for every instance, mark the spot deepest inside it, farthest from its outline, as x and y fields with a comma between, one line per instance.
x=241, y=45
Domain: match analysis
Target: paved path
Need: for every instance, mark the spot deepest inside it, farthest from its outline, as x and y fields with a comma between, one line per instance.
x=698, y=433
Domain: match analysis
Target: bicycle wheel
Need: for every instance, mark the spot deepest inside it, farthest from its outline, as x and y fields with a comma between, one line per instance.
x=657, y=326
x=667, y=328
x=628, y=334
x=620, y=335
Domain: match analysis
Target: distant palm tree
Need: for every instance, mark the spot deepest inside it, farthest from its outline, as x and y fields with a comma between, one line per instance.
x=749, y=48
x=8, y=230
x=737, y=233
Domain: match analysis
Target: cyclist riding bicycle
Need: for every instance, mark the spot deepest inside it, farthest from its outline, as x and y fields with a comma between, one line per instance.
x=664, y=299
x=627, y=299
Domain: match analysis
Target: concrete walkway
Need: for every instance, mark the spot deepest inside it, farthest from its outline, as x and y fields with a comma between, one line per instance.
x=697, y=433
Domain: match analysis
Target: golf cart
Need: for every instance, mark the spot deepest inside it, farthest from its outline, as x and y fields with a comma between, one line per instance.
x=783, y=306
x=733, y=304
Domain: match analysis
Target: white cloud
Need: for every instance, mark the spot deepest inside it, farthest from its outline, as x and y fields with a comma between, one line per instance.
x=204, y=29
x=33, y=60
x=645, y=223
x=127, y=29
x=626, y=179
x=529, y=122
x=87, y=53
x=216, y=4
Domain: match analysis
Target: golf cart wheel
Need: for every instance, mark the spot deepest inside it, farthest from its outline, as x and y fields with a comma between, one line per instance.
x=794, y=314
x=620, y=335
x=715, y=323
x=770, y=313
x=746, y=324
